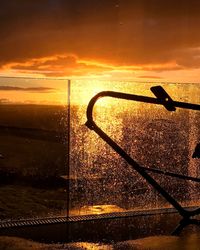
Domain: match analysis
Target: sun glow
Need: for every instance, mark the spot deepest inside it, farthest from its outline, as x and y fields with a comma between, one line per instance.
x=84, y=90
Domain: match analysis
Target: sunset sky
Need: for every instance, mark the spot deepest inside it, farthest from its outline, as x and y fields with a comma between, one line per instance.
x=144, y=40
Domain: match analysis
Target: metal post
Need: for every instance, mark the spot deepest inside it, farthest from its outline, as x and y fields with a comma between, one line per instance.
x=68, y=145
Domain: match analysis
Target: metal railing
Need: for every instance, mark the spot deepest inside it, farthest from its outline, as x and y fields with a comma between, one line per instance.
x=162, y=98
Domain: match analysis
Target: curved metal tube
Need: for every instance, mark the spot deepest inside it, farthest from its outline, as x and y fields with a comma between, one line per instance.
x=91, y=124
x=140, y=169
x=137, y=98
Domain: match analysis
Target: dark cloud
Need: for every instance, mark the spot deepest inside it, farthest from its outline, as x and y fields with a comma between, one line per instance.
x=4, y=101
x=150, y=77
x=119, y=32
x=65, y=65
x=30, y=89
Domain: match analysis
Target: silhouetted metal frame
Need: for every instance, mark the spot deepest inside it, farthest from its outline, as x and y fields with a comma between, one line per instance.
x=143, y=171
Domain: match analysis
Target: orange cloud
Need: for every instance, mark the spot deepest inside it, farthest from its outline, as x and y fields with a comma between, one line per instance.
x=99, y=38
x=139, y=32
x=72, y=66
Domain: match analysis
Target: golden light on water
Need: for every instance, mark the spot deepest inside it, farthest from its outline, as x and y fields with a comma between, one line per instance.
x=53, y=91
x=33, y=91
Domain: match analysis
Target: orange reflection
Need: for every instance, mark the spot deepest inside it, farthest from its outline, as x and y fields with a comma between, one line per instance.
x=89, y=246
x=97, y=209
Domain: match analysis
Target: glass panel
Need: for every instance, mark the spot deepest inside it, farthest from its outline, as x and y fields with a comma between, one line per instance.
x=33, y=147
x=101, y=181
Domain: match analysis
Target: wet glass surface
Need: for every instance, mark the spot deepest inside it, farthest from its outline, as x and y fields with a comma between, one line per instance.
x=150, y=134
x=33, y=147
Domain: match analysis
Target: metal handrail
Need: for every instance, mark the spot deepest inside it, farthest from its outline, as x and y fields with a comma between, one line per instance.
x=170, y=105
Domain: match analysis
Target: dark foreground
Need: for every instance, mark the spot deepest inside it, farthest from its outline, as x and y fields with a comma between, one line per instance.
x=191, y=242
